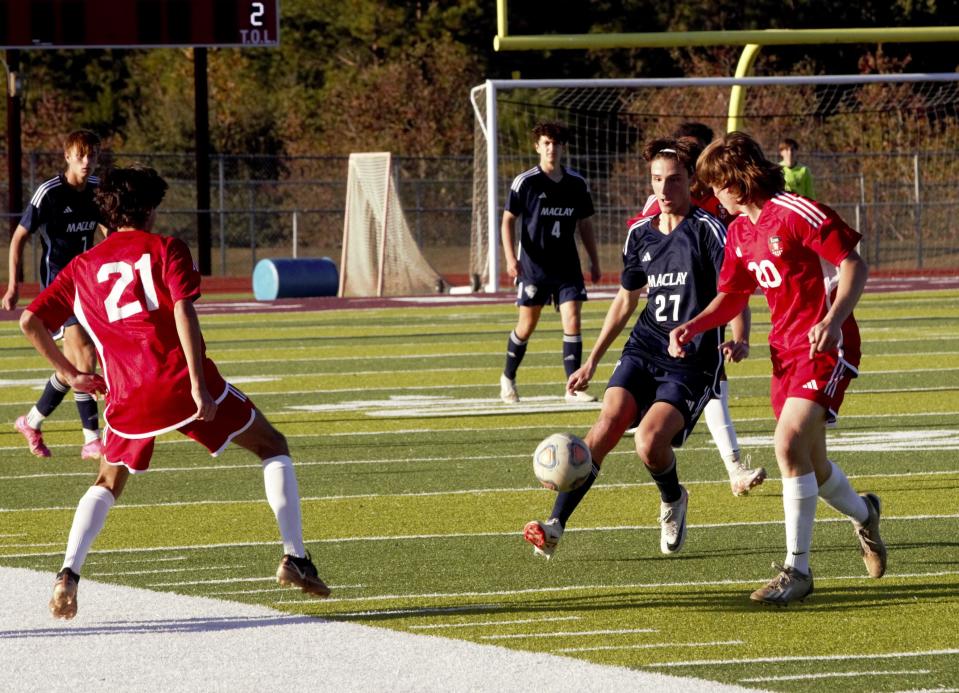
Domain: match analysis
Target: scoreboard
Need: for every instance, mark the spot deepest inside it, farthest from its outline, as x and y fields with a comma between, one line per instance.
x=27, y=24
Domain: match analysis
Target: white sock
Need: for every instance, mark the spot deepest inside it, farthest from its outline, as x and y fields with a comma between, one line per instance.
x=839, y=495
x=721, y=426
x=35, y=418
x=283, y=495
x=87, y=522
x=800, y=494
x=90, y=435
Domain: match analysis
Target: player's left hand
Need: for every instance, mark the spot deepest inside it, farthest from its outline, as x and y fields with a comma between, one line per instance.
x=205, y=405
x=733, y=351
x=823, y=336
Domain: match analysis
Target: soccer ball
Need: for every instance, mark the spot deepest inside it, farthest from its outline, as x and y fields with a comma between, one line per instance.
x=562, y=462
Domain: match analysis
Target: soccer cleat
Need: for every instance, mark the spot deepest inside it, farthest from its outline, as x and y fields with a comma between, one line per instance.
x=742, y=477
x=34, y=437
x=789, y=586
x=63, y=603
x=507, y=390
x=672, y=523
x=871, y=547
x=300, y=572
x=544, y=536
x=579, y=397
x=92, y=450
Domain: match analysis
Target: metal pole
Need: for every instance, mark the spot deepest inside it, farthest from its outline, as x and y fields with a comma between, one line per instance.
x=221, y=182
x=295, y=215
x=918, y=216
x=202, y=137
x=14, y=145
x=491, y=188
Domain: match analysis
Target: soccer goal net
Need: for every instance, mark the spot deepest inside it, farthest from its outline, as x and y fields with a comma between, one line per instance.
x=380, y=256
x=881, y=149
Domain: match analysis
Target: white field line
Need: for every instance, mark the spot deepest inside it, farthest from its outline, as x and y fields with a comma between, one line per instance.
x=221, y=581
x=606, y=587
x=836, y=674
x=480, y=624
x=468, y=535
x=158, y=571
x=422, y=611
x=649, y=646
x=123, y=561
x=10, y=536
x=551, y=634
x=809, y=658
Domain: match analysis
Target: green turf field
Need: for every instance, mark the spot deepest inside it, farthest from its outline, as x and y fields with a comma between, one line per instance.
x=416, y=482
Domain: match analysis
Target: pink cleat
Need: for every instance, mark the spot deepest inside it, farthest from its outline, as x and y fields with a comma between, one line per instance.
x=34, y=437
x=92, y=450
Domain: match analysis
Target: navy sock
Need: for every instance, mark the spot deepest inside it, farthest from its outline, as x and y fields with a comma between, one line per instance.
x=572, y=353
x=566, y=502
x=515, y=351
x=53, y=394
x=668, y=484
x=87, y=406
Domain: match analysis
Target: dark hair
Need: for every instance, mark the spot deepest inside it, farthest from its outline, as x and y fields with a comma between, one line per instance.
x=737, y=161
x=85, y=142
x=699, y=131
x=127, y=196
x=788, y=142
x=685, y=150
x=555, y=131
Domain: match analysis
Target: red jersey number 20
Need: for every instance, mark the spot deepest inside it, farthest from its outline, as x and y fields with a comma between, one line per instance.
x=127, y=274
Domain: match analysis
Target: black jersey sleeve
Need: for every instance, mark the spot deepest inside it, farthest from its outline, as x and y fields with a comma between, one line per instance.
x=633, y=276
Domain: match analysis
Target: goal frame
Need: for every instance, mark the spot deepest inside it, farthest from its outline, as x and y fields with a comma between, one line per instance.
x=488, y=124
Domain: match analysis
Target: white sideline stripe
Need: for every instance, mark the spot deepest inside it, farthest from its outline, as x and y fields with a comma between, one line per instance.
x=603, y=588
x=478, y=624
x=650, y=646
x=157, y=571
x=552, y=634
x=223, y=643
x=810, y=658
x=219, y=581
x=836, y=674
x=422, y=611
x=279, y=588
x=19, y=534
x=121, y=561
x=467, y=535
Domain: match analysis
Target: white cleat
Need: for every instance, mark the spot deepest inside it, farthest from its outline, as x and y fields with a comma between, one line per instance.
x=507, y=390
x=742, y=477
x=544, y=536
x=672, y=523
x=579, y=397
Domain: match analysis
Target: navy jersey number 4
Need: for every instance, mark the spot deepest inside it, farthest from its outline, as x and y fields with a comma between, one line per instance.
x=549, y=211
x=681, y=270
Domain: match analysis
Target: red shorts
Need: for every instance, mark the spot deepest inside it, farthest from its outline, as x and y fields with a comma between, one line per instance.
x=822, y=379
x=234, y=414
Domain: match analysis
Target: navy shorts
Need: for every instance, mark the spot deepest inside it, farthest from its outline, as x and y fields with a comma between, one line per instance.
x=545, y=292
x=58, y=335
x=648, y=383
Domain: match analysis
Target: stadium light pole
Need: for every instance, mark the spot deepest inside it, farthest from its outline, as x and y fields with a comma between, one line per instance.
x=14, y=146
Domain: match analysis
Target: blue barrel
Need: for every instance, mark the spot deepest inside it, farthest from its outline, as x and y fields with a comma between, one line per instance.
x=295, y=278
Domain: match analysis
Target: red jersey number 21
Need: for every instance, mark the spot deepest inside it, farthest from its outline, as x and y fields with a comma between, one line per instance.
x=126, y=274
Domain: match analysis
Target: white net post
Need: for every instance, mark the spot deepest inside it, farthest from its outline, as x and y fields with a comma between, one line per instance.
x=380, y=256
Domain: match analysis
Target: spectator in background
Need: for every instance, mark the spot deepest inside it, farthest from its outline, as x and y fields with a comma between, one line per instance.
x=798, y=177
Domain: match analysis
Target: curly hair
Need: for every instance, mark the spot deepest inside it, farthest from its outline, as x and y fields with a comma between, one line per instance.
x=555, y=131
x=84, y=141
x=737, y=162
x=127, y=196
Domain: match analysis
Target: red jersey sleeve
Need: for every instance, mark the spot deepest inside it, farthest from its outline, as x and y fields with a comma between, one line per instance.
x=734, y=276
x=55, y=304
x=832, y=240
x=180, y=274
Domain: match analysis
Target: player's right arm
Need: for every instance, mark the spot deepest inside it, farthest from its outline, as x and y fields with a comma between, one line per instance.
x=508, y=236
x=17, y=241
x=720, y=311
x=617, y=316
x=40, y=338
x=188, y=330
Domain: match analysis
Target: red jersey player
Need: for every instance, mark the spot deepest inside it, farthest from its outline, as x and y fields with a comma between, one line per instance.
x=133, y=293
x=803, y=257
x=718, y=418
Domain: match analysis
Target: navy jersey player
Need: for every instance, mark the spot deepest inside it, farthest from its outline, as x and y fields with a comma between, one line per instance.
x=63, y=213
x=677, y=254
x=551, y=203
